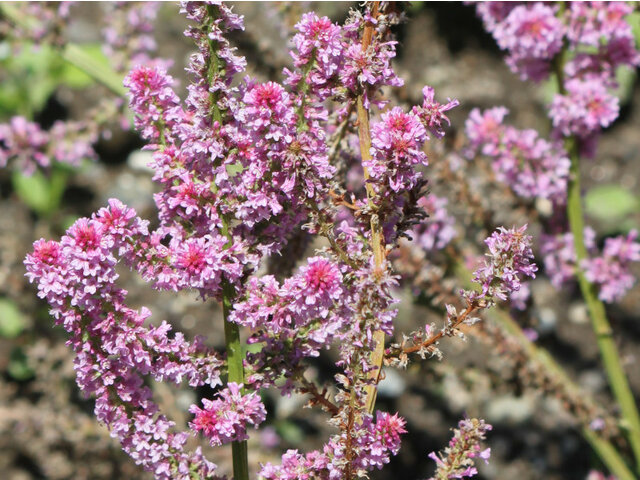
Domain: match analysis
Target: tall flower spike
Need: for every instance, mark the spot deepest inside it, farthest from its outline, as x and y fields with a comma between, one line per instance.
x=114, y=347
x=508, y=259
x=458, y=459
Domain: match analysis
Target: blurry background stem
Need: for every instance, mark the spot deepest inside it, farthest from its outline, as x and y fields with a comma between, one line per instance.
x=535, y=355
x=601, y=326
x=599, y=322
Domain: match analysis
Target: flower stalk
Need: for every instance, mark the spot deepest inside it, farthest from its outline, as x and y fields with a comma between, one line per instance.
x=235, y=372
x=377, y=246
x=601, y=326
x=599, y=321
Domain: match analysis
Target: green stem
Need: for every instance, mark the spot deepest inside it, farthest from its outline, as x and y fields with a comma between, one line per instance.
x=599, y=322
x=236, y=374
x=608, y=454
x=235, y=355
x=102, y=74
x=601, y=326
x=601, y=446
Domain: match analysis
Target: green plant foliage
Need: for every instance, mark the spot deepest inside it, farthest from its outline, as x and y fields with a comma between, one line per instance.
x=611, y=204
x=18, y=367
x=289, y=432
x=12, y=320
x=41, y=192
x=30, y=77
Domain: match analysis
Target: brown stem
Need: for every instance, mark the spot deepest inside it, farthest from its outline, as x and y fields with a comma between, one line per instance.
x=377, y=245
x=433, y=339
x=318, y=397
x=364, y=137
x=339, y=135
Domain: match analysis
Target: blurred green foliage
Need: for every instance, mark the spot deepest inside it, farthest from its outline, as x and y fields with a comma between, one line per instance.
x=12, y=321
x=612, y=205
x=18, y=367
x=29, y=78
x=41, y=192
x=32, y=76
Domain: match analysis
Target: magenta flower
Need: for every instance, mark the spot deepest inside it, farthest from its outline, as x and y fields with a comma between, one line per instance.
x=438, y=229
x=532, y=34
x=77, y=277
x=509, y=259
x=611, y=271
x=323, y=281
x=530, y=165
x=225, y=419
x=432, y=113
x=28, y=147
x=585, y=109
x=155, y=105
x=559, y=255
x=396, y=146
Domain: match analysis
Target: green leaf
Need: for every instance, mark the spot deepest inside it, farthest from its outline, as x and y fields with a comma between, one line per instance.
x=74, y=77
x=18, y=367
x=41, y=193
x=610, y=203
x=252, y=347
x=94, y=63
x=289, y=432
x=12, y=320
x=626, y=79
x=27, y=81
x=633, y=19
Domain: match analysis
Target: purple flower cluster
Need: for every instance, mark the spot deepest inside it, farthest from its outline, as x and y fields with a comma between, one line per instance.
x=303, y=297
x=243, y=167
x=458, y=458
x=114, y=347
x=257, y=170
x=587, y=107
x=365, y=70
x=559, y=255
x=294, y=320
x=128, y=38
x=396, y=148
x=530, y=165
x=296, y=466
x=329, y=59
x=27, y=147
x=45, y=26
x=533, y=35
x=438, y=229
x=508, y=259
x=375, y=442
x=610, y=272
x=155, y=104
x=397, y=141
x=600, y=40
x=225, y=419
x=432, y=113
x=317, y=55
